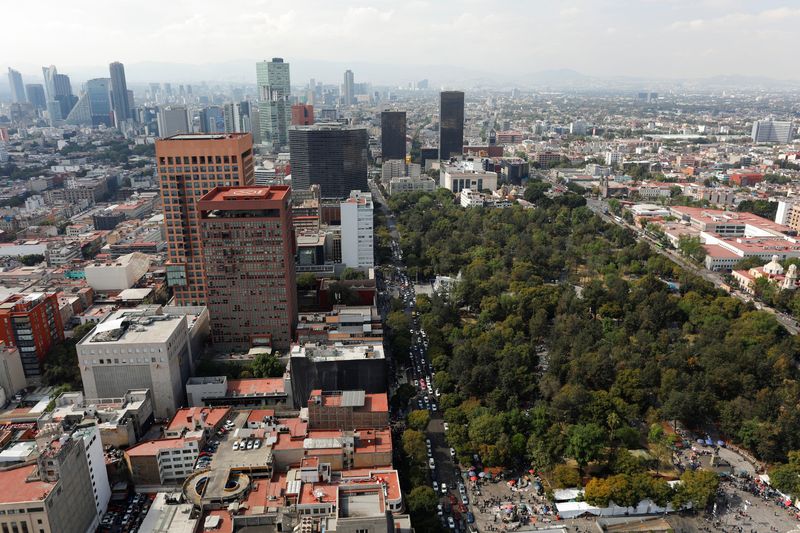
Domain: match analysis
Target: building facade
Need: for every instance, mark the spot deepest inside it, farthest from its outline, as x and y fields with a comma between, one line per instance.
x=248, y=249
x=393, y=135
x=172, y=120
x=16, y=85
x=357, y=230
x=451, y=124
x=32, y=324
x=302, y=115
x=138, y=349
x=189, y=167
x=329, y=155
x=772, y=131
x=274, y=91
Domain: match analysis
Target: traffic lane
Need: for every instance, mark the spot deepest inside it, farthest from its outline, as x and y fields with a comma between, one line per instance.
x=445, y=469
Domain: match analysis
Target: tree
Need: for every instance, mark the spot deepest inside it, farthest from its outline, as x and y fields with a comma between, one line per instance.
x=692, y=247
x=413, y=443
x=419, y=419
x=31, y=260
x=698, y=487
x=402, y=395
x=352, y=273
x=659, y=445
x=585, y=443
x=307, y=280
x=786, y=477
x=422, y=500
x=565, y=477
x=267, y=366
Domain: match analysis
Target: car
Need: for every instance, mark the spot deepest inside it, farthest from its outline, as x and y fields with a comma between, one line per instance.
x=430, y=453
x=444, y=488
x=257, y=444
x=435, y=486
x=464, y=499
x=236, y=446
x=433, y=406
x=461, y=488
x=450, y=523
x=437, y=393
x=439, y=510
x=431, y=463
x=445, y=426
x=453, y=453
x=242, y=444
x=420, y=405
x=428, y=443
x=470, y=518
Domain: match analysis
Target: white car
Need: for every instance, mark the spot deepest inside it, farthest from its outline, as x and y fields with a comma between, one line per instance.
x=435, y=487
x=444, y=488
x=453, y=453
x=450, y=523
x=445, y=426
x=431, y=463
x=257, y=444
x=236, y=446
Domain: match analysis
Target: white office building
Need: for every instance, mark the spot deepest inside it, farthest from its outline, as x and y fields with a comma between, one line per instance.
x=141, y=348
x=172, y=121
x=772, y=131
x=357, y=231
x=468, y=174
x=120, y=274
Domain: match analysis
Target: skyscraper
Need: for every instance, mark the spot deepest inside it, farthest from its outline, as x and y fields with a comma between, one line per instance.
x=357, y=230
x=274, y=90
x=237, y=117
x=330, y=155
x=35, y=92
x=172, y=120
x=94, y=105
x=17, y=88
x=451, y=124
x=248, y=248
x=212, y=120
x=393, y=135
x=119, y=93
x=772, y=131
x=58, y=91
x=348, y=89
x=189, y=166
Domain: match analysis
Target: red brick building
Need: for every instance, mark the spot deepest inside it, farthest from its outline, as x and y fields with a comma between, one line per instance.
x=190, y=166
x=31, y=323
x=302, y=115
x=746, y=179
x=248, y=249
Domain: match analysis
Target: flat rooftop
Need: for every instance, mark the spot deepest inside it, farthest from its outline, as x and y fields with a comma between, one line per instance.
x=14, y=487
x=203, y=136
x=338, y=353
x=134, y=327
x=227, y=194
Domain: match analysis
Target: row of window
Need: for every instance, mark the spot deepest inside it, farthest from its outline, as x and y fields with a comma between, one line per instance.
x=194, y=160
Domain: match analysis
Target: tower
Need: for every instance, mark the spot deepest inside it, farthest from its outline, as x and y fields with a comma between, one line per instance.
x=190, y=166
x=275, y=111
x=451, y=124
x=17, y=88
x=119, y=93
x=393, y=135
x=348, y=89
x=248, y=249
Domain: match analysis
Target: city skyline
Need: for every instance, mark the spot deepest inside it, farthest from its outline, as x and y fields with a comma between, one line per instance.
x=677, y=38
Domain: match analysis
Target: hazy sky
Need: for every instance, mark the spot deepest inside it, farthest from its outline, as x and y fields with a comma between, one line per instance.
x=664, y=38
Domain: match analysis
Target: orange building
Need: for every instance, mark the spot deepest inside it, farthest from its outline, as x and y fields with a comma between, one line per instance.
x=31, y=323
x=248, y=247
x=302, y=115
x=190, y=166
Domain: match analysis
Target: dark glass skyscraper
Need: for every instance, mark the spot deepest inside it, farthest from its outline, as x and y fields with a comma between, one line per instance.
x=451, y=124
x=35, y=92
x=393, y=135
x=119, y=93
x=330, y=155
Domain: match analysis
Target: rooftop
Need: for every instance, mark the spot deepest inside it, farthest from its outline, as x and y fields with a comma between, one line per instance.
x=152, y=447
x=224, y=194
x=203, y=136
x=255, y=387
x=15, y=487
x=135, y=326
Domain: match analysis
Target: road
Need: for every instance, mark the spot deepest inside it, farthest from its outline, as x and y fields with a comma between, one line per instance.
x=420, y=373
x=600, y=207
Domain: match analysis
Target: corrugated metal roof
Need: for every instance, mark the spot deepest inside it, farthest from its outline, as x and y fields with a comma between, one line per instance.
x=352, y=398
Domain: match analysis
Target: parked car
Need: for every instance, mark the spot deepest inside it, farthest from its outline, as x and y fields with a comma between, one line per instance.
x=450, y=523
x=431, y=463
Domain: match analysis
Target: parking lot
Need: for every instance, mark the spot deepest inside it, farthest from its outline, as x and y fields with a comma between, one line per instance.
x=125, y=517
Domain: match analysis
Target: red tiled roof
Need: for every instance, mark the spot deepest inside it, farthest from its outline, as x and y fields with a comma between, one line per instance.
x=254, y=387
x=185, y=417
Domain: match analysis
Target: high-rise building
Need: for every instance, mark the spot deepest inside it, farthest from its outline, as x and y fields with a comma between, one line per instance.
x=212, y=120
x=348, y=89
x=172, y=120
x=189, y=166
x=119, y=93
x=58, y=92
x=302, y=115
x=248, y=247
x=330, y=155
x=237, y=117
x=275, y=111
x=131, y=106
x=35, y=92
x=393, y=135
x=451, y=124
x=17, y=88
x=772, y=131
x=94, y=106
x=357, y=231
x=32, y=323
